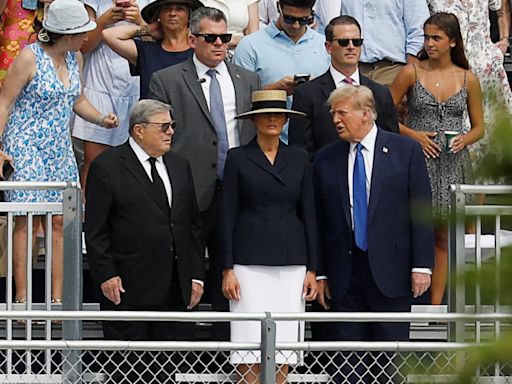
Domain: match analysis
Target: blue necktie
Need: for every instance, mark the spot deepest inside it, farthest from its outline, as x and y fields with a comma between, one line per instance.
x=219, y=121
x=360, y=201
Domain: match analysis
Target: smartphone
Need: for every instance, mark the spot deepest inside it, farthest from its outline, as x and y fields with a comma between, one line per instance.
x=123, y=3
x=301, y=77
x=7, y=170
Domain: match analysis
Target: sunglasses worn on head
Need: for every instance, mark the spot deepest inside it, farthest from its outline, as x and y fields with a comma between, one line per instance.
x=212, y=38
x=346, y=42
x=164, y=127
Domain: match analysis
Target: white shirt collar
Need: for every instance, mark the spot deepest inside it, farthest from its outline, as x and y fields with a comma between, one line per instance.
x=141, y=153
x=368, y=142
x=338, y=77
x=201, y=68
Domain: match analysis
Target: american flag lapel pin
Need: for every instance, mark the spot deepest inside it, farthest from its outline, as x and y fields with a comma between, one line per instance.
x=385, y=149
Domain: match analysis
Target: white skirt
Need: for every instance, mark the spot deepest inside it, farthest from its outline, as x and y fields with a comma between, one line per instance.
x=268, y=289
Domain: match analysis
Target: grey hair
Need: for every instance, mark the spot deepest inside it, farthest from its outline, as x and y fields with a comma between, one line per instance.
x=361, y=96
x=144, y=109
x=201, y=13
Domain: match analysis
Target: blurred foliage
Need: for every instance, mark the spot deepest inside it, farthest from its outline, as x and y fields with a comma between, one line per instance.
x=497, y=166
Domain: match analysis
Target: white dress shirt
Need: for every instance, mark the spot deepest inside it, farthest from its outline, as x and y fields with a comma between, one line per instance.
x=159, y=164
x=338, y=77
x=228, y=96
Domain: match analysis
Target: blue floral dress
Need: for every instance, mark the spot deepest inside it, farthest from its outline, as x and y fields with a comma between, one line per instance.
x=37, y=134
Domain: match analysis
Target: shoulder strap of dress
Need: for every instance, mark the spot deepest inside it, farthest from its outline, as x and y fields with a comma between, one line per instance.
x=415, y=72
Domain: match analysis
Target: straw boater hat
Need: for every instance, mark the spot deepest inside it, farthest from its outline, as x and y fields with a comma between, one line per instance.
x=269, y=102
x=67, y=17
x=150, y=11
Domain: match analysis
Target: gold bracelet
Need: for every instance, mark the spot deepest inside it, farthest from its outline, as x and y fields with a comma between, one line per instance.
x=141, y=32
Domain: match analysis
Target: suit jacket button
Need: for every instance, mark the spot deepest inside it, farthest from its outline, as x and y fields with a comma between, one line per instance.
x=349, y=252
x=214, y=143
x=171, y=225
x=214, y=165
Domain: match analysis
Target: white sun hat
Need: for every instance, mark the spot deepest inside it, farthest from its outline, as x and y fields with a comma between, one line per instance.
x=68, y=17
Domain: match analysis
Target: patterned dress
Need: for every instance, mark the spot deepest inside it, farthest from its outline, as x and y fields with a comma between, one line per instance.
x=37, y=133
x=16, y=31
x=428, y=114
x=485, y=59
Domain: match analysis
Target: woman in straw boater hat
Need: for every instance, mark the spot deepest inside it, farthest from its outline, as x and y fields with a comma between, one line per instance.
x=268, y=232
x=39, y=95
x=163, y=42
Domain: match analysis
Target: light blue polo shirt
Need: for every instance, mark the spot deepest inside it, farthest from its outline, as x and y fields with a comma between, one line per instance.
x=271, y=54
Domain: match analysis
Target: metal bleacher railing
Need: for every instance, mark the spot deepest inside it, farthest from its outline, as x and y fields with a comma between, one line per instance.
x=51, y=357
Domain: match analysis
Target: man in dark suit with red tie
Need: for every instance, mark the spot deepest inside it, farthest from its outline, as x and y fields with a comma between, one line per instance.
x=142, y=228
x=343, y=42
x=375, y=223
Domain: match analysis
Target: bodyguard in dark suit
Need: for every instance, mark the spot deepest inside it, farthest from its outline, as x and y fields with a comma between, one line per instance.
x=206, y=94
x=374, y=208
x=142, y=228
x=343, y=42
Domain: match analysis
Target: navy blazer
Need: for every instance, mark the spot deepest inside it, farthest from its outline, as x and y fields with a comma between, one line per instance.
x=400, y=234
x=317, y=129
x=268, y=211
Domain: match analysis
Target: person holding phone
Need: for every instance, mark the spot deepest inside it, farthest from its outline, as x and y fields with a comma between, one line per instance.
x=107, y=81
x=40, y=93
x=288, y=46
x=162, y=42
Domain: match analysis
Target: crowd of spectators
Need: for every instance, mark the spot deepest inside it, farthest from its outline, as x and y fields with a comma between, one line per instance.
x=262, y=133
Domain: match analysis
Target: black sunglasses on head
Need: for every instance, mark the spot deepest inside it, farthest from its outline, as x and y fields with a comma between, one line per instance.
x=346, y=42
x=212, y=37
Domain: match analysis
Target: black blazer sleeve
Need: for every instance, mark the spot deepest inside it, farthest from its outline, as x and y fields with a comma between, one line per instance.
x=229, y=209
x=308, y=215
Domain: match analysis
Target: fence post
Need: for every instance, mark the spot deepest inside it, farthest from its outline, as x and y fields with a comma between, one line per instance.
x=73, y=282
x=268, y=350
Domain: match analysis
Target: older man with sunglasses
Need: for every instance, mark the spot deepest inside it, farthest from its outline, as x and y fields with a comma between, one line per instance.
x=344, y=44
x=206, y=94
x=285, y=48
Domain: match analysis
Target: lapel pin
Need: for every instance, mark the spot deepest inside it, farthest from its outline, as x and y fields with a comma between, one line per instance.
x=385, y=149
x=237, y=75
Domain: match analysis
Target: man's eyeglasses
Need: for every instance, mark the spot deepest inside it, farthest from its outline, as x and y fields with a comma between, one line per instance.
x=306, y=20
x=212, y=37
x=346, y=42
x=164, y=127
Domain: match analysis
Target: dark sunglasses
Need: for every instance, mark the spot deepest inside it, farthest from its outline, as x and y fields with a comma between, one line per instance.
x=164, y=127
x=346, y=42
x=301, y=20
x=212, y=38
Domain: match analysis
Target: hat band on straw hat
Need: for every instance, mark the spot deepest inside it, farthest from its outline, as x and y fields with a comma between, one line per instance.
x=264, y=104
x=70, y=28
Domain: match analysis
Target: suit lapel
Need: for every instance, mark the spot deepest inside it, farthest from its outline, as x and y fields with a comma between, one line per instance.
x=380, y=159
x=256, y=155
x=327, y=84
x=172, y=172
x=135, y=168
x=340, y=169
x=364, y=80
x=192, y=81
x=240, y=90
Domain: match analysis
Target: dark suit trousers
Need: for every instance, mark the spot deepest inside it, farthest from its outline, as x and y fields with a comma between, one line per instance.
x=211, y=238
x=139, y=367
x=363, y=295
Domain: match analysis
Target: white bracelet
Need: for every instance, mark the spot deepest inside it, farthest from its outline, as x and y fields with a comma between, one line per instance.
x=99, y=120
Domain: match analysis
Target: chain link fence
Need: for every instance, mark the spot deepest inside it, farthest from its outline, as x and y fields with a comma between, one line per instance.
x=193, y=362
